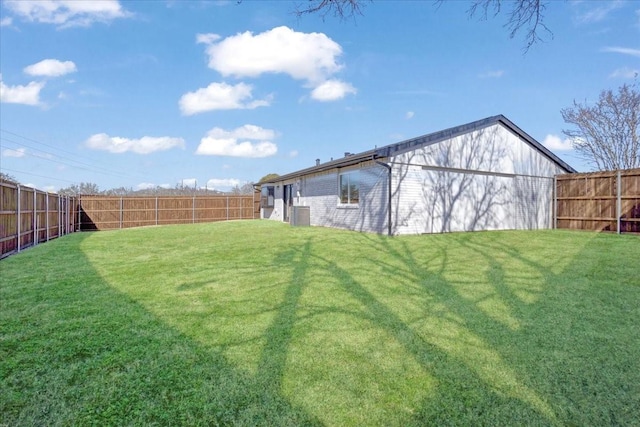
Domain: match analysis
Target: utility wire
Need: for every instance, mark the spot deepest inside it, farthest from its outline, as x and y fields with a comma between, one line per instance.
x=93, y=166
x=57, y=159
x=39, y=176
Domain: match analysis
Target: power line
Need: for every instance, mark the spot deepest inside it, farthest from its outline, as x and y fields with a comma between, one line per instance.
x=34, y=174
x=93, y=166
x=57, y=159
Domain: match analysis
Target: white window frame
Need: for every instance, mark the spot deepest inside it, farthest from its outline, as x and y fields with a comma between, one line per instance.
x=350, y=200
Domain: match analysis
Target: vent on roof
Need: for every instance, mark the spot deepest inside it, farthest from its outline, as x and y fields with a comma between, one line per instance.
x=317, y=162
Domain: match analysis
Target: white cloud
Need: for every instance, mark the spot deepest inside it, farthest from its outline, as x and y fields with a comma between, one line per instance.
x=409, y=115
x=310, y=57
x=27, y=95
x=207, y=38
x=145, y=186
x=188, y=182
x=293, y=153
x=303, y=56
x=496, y=74
x=144, y=145
x=220, y=96
x=599, y=13
x=623, y=50
x=11, y=152
x=67, y=13
x=6, y=21
x=220, y=142
x=217, y=184
x=554, y=142
x=625, y=73
x=51, y=68
x=332, y=90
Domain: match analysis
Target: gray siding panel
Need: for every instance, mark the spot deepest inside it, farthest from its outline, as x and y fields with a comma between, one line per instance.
x=320, y=193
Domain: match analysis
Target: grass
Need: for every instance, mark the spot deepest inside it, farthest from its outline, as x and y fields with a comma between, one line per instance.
x=258, y=323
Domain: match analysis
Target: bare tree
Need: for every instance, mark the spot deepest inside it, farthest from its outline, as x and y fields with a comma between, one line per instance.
x=527, y=15
x=246, y=188
x=338, y=8
x=607, y=134
x=5, y=177
x=84, y=188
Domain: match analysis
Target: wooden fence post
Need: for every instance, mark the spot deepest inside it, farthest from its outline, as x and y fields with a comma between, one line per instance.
x=156, y=210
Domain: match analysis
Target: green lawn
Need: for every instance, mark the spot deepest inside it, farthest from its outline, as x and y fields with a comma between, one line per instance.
x=259, y=323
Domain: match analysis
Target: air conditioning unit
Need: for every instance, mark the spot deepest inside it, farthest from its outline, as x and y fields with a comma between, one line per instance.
x=300, y=216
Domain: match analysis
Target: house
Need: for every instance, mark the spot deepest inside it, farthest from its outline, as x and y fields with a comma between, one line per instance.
x=484, y=175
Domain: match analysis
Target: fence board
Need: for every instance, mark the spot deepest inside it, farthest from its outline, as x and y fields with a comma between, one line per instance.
x=590, y=201
x=29, y=216
x=106, y=212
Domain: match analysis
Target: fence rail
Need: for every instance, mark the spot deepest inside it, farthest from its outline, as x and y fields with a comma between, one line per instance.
x=107, y=213
x=601, y=201
x=29, y=216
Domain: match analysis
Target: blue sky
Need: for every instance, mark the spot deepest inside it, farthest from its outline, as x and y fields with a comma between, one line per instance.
x=216, y=94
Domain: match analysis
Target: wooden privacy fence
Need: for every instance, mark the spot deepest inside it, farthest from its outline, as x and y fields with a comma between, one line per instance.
x=602, y=201
x=106, y=212
x=29, y=216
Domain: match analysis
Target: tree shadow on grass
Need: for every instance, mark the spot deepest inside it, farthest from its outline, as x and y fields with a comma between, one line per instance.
x=475, y=383
x=77, y=352
x=544, y=314
x=472, y=376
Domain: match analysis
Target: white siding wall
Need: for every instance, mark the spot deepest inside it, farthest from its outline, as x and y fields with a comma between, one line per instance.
x=485, y=180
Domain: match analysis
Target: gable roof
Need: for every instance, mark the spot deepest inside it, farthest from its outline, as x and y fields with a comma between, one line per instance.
x=425, y=140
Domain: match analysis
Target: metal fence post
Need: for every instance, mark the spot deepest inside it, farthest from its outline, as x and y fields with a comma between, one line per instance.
x=59, y=228
x=554, y=218
x=35, y=217
x=68, y=215
x=19, y=219
x=46, y=208
x=618, y=200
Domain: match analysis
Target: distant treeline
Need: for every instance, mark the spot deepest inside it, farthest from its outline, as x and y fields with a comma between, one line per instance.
x=88, y=188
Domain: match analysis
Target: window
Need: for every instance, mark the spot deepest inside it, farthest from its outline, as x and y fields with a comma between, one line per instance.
x=349, y=188
x=267, y=194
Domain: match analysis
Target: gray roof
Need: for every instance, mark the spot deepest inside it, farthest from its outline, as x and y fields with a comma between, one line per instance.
x=424, y=140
